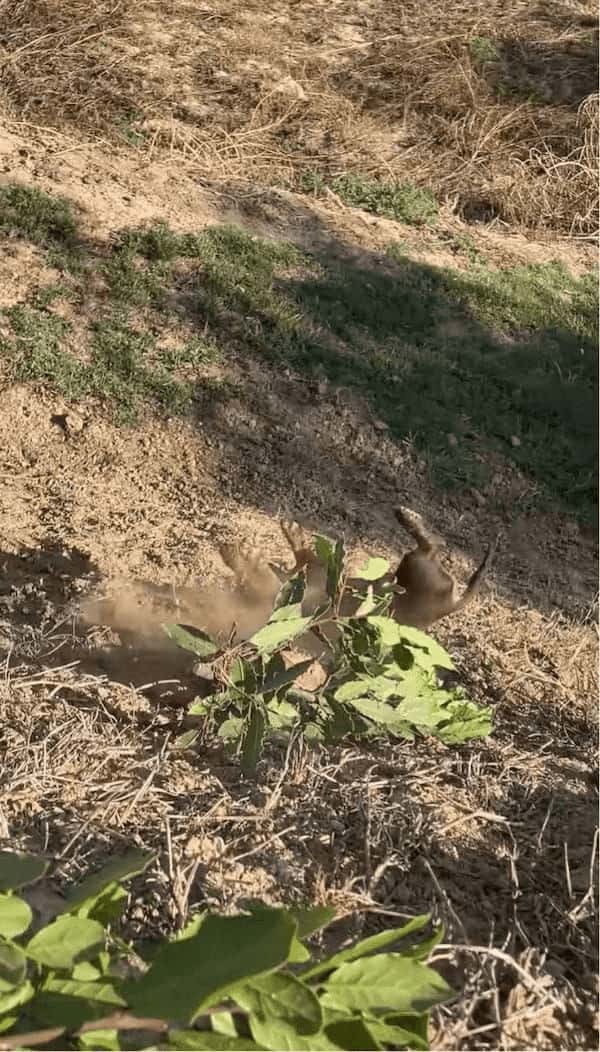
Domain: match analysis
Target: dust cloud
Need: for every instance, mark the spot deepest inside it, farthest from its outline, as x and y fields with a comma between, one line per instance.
x=137, y=610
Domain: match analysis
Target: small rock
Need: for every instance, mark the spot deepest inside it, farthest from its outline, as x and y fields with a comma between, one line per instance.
x=290, y=87
x=380, y=425
x=452, y=439
x=71, y=423
x=478, y=497
x=515, y=440
x=204, y=670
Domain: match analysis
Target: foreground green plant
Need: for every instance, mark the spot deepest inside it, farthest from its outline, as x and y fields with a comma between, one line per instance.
x=236, y=982
x=381, y=677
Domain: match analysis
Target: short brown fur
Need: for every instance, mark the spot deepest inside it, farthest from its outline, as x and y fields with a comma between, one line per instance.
x=424, y=591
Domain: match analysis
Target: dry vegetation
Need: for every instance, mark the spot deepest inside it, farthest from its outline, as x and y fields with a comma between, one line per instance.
x=491, y=105
x=125, y=109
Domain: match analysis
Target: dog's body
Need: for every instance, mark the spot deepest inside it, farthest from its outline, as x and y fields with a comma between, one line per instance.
x=423, y=590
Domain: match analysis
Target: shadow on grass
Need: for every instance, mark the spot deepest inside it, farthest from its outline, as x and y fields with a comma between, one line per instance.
x=481, y=370
x=473, y=366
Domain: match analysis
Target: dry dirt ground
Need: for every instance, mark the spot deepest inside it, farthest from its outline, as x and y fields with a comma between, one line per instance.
x=498, y=838
x=489, y=103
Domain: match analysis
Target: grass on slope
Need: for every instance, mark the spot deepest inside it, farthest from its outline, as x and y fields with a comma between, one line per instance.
x=471, y=365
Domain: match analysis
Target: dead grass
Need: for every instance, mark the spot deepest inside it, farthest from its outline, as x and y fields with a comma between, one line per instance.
x=491, y=106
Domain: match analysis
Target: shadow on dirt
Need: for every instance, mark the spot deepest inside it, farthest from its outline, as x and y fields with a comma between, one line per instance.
x=546, y=73
x=41, y=591
x=492, y=359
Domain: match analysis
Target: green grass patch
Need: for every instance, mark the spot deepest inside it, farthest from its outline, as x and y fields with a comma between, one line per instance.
x=36, y=351
x=402, y=201
x=135, y=282
x=30, y=213
x=124, y=366
x=483, y=50
x=505, y=360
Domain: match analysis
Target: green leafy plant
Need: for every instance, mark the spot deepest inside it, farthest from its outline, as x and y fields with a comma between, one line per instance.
x=483, y=50
x=402, y=201
x=246, y=981
x=380, y=676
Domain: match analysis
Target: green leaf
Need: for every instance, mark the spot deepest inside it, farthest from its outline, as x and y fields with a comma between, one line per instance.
x=108, y=906
x=243, y=676
x=193, y=973
x=352, y=1034
x=397, y=1036
x=423, y=711
x=84, y=895
x=18, y=868
x=286, y=613
x=384, y=715
x=200, y=706
x=7, y=1022
x=15, y=916
x=427, y=651
x=224, y=1023
x=312, y=919
x=193, y=639
x=52, y=1009
x=368, y=604
x=192, y=927
x=384, y=688
x=298, y=953
x=372, y=944
x=276, y=678
x=231, y=729
x=389, y=630
x=355, y=688
x=281, y=715
x=86, y=972
x=373, y=570
x=186, y=740
x=387, y=980
x=420, y=951
x=331, y=554
x=417, y=1024
x=468, y=721
x=15, y=998
x=103, y=992
x=281, y=1007
x=13, y=966
x=291, y=592
x=66, y=941
x=342, y=722
x=182, y=1040
x=274, y=635
x=252, y=740
x=99, y=1041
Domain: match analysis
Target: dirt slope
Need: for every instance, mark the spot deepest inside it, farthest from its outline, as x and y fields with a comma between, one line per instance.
x=496, y=838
